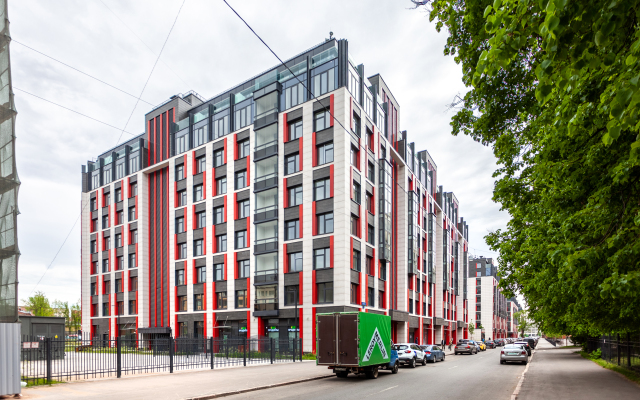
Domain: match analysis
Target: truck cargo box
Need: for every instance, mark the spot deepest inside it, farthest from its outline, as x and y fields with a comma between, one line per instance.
x=353, y=339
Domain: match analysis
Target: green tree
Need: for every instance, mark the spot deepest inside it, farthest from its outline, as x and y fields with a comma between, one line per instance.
x=471, y=328
x=39, y=305
x=522, y=321
x=554, y=89
x=76, y=317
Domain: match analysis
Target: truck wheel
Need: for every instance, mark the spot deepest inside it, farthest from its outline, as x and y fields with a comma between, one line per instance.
x=412, y=363
x=372, y=373
x=342, y=374
x=394, y=370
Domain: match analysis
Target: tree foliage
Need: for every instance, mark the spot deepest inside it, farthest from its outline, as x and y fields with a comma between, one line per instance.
x=38, y=305
x=522, y=321
x=471, y=327
x=554, y=90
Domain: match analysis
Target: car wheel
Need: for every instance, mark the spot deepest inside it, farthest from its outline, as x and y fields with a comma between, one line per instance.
x=424, y=360
x=412, y=363
x=394, y=370
x=443, y=357
x=342, y=374
x=524, y=363
x=501, y=362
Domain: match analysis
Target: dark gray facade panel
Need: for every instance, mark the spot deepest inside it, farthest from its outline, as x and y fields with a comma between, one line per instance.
x=369, y=250
x=131, y=249
x=291, y=213
x=292, y=147
x=221, y=286
x=197, y=179
x=104, y=211
x=324, y=206
x=198, y=234
x=321, y=173
x=120, y=251
x=243, y=255
x=218, y=259
x=322, y=104
x=355, y=208
x=133, y=226
x=119, y=296
x=198, y=288
x=218, y=144
x=94, y=257
x=118, y=185
x=221, y=172
x=180, y=160
x=231, y=315
x=190, y=318
x=200, y=207
x=179, y=212
x=119, y=206
x=292, y=278
x=93, y=237
x=181, y=185
x=221, y=229
x=294, y=180
x=324, y=275
x=201, y=262
x=94, y=214
x=368, y=187
x=131, y=201
x=356, y=110
x=357, y=245
x=324, y=136
x=356, y=177
x=133, y=272
x=106, y=233
x=244, y=195
x=218, y=202
x=321, y=243
x=95, y=300
x=370, y=281
x=354, y=276
x=118, y=229
x=182, y=290
x=181, y=237
x=201, y=152
x=295, y=247
x=371, y=219
x=243, y=135
x=295, y=114
x=240, y=284
x=381, y=284
x=105, y=255
x=240, y=225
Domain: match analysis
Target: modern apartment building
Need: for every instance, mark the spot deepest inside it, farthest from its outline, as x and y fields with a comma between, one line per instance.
x=512, y=323
x=293, y=190
x=487, y=299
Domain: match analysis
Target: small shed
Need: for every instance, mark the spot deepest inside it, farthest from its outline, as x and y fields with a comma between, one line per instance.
x=42, y=327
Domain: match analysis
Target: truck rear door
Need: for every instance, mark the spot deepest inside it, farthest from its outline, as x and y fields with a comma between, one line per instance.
x=348, y=339
x=326, y=339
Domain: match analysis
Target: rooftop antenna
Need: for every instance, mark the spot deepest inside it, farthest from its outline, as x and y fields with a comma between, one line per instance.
x=330, y=36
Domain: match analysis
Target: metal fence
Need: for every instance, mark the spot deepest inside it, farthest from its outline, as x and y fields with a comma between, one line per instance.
x=49, y=359
x=625, y=353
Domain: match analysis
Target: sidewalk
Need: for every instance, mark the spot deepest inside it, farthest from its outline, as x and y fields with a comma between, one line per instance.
x=562, y=374
x=180, y=385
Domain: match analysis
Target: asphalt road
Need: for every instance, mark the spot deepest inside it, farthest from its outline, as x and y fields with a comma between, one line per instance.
x=459, y=377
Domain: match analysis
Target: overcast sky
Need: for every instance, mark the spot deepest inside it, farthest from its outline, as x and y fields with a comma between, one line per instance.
x=209, y=51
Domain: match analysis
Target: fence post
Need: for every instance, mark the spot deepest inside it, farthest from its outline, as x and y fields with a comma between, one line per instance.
x=212, y=353
x=294, y=350
x=618, y=348
x=244, y=362
x=118, y=357
x=628, y=351
x=47, y=342
x=300, y=342
x=271, y=353
x=171, y=342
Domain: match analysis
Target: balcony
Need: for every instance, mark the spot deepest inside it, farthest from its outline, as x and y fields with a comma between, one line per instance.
x=266, y=182
x=265, y=308
x=265, y=277
x=266, y=150
x=265, y=214
x=265, y=245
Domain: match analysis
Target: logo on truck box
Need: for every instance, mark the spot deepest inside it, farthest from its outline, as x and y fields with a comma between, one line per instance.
x=375, y=340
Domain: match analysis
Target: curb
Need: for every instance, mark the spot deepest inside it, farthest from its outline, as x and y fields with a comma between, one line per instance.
x=232, y=393
x=516, y=392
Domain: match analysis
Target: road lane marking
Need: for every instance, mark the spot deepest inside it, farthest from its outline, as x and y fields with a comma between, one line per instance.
x=383, y=390
x=516, y=392
x=454, y=367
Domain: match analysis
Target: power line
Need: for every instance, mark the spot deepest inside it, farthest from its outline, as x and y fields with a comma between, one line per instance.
x=152, y=69
x=141, y=41
x=76, y=69
x=74, y=111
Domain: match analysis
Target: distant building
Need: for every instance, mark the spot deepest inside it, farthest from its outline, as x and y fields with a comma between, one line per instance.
x=486, y=300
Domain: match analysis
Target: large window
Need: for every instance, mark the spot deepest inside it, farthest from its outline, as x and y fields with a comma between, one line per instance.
x=134, y=162
x=218, y=272
x=355, y=222
x=200, y=135
x=201, y=275
x=266, y=104
x=292, y=229
x=356, y=192
x=354, y=84
x=179, y=277
x=197, y=247
x=218, y=215
x=181, y=142
x=371, y=297
x=295, y=129
x=243, y=149
x=321, y=189
x=356, y=124
x=240, y=180
x=325, y=223
x=221, y=300
x=241, y=239
x=356, y=261
x=182, y=303
x=295, y=196
x=295, y=262
x=241, y=299
x=325, y=292
x=371, y=172
x=324, y=82
x=221, y=185
x=243, y=209
x=325, y=153
x=291, y=295
x=242, y=117
x=182, y=251
x=371, y=233
x=354, y=293
x=291, y=164
x=182, y=198
x=201, y=220
x=221, y=127
x=120, y=170
x=179, y=224
x=218, y=157
x=322, y=258
x=321, y=120
x=221, y=243
x=293, y=96
x=180, y=172
x=132, y=260
x=198, y=302
x=198, y=195
x=133, y=284
x=243, y=269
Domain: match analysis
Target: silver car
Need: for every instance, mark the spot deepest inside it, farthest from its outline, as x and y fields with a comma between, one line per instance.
x=514, y=352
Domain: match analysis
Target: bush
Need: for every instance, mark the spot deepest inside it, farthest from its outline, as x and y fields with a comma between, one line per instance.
x=596, y=355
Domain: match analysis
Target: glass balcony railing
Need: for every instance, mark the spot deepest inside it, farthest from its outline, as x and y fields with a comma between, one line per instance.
x=266, y=305
x=323, y=57
x=180, y=125
x=266, y=276
x=221, y=105
x=297, y=69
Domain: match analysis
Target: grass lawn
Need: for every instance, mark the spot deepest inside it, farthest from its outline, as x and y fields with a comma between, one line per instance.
x=631, y=375
x=40, y=382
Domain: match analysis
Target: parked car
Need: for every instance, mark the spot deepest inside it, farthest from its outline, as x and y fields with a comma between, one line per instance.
x=499, y=342
x=466, y=346
x=482, y=346
x=490, y=344
x=532, y=342
x=514, y=352
x=434, y=353
x=410, y=354
x=525, y=345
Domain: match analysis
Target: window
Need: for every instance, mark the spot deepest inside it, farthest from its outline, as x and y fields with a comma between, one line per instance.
x=380, y=299
x=353, y=294
x=325, y=292
x=182, y=251
x=368, y=202
x=105, y=309
x=133, y=284
x=292, y=229
x=221, y=185
x=132, y=213
x=118, y=285
x=220, y=127
x=119, y=262
x=322, y=258
x=324, y=82
x=355, y=157
x=321, y=189
x=371, y=172
x=120, y=308
x=218, y=215
x=119, y=217
x=321, y=120
x=218, y=158
x=325, y=153
x=95, y=180
x=201, y=220
x=94, y=267
x=241, y=239
x=105, y=221
x=180, y=172
x=134, y=162
x=94, y=247
x=241, y=299
x=182, y=198
x=133, y=236
x=243, y=269
x=197, y=247
x=107, y=199
x=182, y=303
x=371, y=232
x=107, y=287
x=200, y=135
x=221, y=300
x=221, y=243
x=132, y=307
x=243, y=149
x=354, y=84
x=198, y=302
x=240, y=180
x=132, y=260
x=197, y=193
x=93, y=205
x=180, y=225
x=295, y=196
x=293, y=96
x=325, y=223
x=201, y=164
x=94, y=289
x=291, y=295
x=242, y=117
x=218, y=272
x=354, y=225
x=181, y=142
x=179, y=277
x=118, y=239
x=356, y=124
x=107, y=243
x=356, y=260
x=369, y=265
x=295, y=130
x=118, y=195
x=295, y=262
x=356, y=192
x=201, y=275
x=266, y=105
x=243, y=209
x=291, y=164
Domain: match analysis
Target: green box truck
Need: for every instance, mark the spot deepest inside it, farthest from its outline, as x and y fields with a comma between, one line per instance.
x=355, y=342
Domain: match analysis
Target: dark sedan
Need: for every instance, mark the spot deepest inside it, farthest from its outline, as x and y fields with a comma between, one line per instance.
x=490, y=344
x=433, y=353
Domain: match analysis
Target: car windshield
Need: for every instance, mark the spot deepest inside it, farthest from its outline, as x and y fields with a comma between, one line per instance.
x=400, y=347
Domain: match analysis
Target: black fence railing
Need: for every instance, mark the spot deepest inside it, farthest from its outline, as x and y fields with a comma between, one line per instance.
x=50, y=359
x=621, y=352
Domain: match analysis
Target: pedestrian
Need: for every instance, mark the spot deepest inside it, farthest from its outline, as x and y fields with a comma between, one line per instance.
x=442, y=343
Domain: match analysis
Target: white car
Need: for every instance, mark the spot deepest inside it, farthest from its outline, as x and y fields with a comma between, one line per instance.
x=410, y=354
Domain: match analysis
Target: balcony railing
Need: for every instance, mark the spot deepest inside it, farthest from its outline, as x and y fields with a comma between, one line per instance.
x=265, y=213
x=266, y=181
x=267, y=276
x=266, y=305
